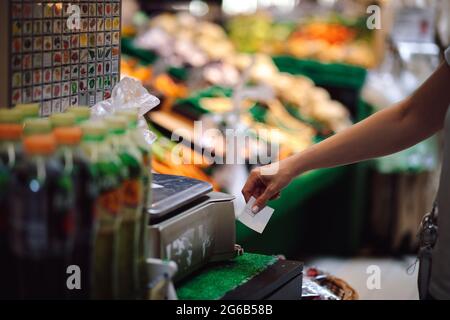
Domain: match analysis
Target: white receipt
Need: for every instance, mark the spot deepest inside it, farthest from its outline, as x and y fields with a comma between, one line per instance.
x=256, y=222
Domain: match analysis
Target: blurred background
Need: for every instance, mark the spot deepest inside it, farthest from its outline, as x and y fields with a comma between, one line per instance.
x=307, y=69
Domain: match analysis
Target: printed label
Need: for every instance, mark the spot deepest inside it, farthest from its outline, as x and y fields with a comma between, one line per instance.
x=110, y=202
x=132, y=192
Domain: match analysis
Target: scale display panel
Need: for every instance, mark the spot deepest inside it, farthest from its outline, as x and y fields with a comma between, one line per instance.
x=172, y=192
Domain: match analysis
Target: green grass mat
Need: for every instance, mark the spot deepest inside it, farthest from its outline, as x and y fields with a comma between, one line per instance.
x=215, y=281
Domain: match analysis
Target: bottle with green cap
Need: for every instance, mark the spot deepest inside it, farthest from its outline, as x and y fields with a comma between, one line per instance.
x=11, y=129
x=76, y=165
x=62, y=120
x=33, y=126
x=82, y=113
x=30, y=110
x=135, y=136
x=108, y=174
x=131, y=160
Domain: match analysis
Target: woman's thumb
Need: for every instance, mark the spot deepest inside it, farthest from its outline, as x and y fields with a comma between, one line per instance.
x=262, y=200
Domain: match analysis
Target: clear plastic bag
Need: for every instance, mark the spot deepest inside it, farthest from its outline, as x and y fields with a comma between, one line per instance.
x=129, y=94
x=311, y=290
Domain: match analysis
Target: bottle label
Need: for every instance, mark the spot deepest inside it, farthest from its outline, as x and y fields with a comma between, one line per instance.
x=146, y=178
x=132, y=190
x=146, y=160
x=110, y=202
x=133, y=193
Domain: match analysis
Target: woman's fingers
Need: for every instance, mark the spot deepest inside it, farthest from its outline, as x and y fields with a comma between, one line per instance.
x=247, y=189
x=251, y=186
x=264, y=186
x=276, y=196
x=263, y=198
x=261, y=190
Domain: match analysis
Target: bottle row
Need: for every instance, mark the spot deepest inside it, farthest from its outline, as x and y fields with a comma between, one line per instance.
x=72, y=193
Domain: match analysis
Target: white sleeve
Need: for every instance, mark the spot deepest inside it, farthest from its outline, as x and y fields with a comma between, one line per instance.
x=447, y=55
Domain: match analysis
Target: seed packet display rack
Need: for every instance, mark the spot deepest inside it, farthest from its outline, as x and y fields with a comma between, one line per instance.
x=59, y=53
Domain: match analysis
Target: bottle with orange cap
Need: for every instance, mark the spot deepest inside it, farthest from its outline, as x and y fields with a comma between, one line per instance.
x=42, y=227
x=133, y=189
x=10, y=136
x=10, y=154
x=108, y=175
x=68, y=138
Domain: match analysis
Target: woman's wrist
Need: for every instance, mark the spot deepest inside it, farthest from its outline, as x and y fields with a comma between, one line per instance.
x=296, y=164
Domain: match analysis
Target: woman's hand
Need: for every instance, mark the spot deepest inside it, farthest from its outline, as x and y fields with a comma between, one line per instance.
x=265, y=183
x=387, y=131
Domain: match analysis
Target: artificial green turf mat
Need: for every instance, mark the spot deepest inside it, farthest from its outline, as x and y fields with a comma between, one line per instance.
x=214, y=282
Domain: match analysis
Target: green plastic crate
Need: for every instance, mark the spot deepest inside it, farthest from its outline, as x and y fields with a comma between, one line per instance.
x=145, y=56
x=344, y=82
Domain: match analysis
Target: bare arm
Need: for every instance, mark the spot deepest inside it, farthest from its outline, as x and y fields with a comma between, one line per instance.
x=385, y=132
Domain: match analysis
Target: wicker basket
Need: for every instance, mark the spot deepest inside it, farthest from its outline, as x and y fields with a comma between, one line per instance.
x=340, y=288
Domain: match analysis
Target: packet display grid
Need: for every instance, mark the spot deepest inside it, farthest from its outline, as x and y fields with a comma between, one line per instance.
x=57, y=62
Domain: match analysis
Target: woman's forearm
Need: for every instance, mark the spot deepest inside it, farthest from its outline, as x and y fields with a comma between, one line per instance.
x=385, y=132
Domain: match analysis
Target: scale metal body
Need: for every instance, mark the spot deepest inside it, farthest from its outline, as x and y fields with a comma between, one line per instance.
x=190, y=224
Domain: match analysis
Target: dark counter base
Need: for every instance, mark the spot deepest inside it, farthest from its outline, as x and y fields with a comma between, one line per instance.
x=280, y=281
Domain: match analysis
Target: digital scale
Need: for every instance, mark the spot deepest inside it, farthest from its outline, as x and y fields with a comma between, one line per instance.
x=190, y=224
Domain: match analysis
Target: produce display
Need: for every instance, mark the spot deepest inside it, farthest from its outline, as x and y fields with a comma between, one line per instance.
x=72, y=192
x=331, y=39
x=163, y=85
x=168, y=160
x=330, y=42
x=259, y=33
x=181, y=40
x=198, y=71
x=184, y=39
x=131, y=67
x=311, y=102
